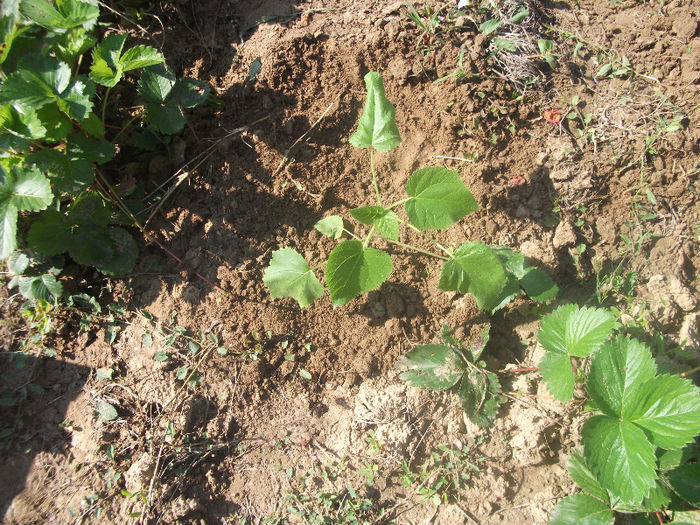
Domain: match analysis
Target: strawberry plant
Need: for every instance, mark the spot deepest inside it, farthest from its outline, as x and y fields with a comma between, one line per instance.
x=456, y=365
x=53, y=197
x=638, y=446
x=437, y=198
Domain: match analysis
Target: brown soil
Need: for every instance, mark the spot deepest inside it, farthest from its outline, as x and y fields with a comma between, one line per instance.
x=221, y=451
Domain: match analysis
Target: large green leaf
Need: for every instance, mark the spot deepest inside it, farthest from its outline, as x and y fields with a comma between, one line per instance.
x=289, y=275
x=575, y=331
x=538, y=285
x=620, y=456
x=44, y=287
x=581, y=509
x=166, y=117
x=125, y=252
x=21, y=121
x=352, y=270
x=67, y=176
x=91, y=246
x=66, y=14
x=377, y=127
x=76, y=100
x=584, y=478
x=439, y=198
x=434, y=367
x=556, y=371
x=189, y=92
x=474, y=269
x=49, y=233
x=615, y=370
x=28, y=189
x=156, y=83
x=8, y=229
x=90, y=209
x=90, y=149
x=23, y=89
x=73, y=43
x=57, y=124
x=386, y=221
x=331, y=226
x=140, y=56
x=106, y=68
x=667, y=407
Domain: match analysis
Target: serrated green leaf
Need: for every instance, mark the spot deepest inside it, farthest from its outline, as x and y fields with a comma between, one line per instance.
x=21, y=121
x=189, y=92
x=57, y=124
x=368, y=214
x=352, y=270
x=73, y=43
x=575, y=331
x=44, y=287
x=377, y=127
x=514, y=262
x=125, y=252
x=8, y=229
x=75, y=101
x=685, y=481
x=476, y=270
x=479, y=394
x=510, y=291
x=167, y=118
x=581, y=509
x=156, y=83
x=90, y=209
x=584, y=478
x=49, y=234
x=620, y=456
x=434, y=367
x=669, y=459
x=556, y=371
x=140, y=56
x=70, y=13
x=84, y=12
x=17, y=262
x=91, y=149
x=106, y=411
x=29, y=190
x=616, y=368
x=289, y=275
x=657, y=499
x=20, y=88
x=67, y=176
x=106, y=69
x=667, y=407
x=331, y=226
x=439, y=198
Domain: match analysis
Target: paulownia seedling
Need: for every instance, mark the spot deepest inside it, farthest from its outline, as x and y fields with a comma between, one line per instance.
x=437, y=198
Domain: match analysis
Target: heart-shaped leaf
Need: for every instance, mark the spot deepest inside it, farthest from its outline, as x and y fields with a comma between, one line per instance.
x=439, y=198
x=352, y=270
x=331, y=226
x=289, y=275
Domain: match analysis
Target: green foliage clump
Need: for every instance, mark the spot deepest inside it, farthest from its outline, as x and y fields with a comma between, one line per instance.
x=52, y=137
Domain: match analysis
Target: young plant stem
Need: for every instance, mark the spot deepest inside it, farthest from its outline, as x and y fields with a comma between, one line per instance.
x=126, y=126
x=411, y=226
x=416, y=249
x=690, y=372
x=398, y=203
x=104, y=105
x=365, y=243
x=374, y=176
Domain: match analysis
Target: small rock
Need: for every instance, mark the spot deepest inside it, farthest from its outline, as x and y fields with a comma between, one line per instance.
x=689, y=334
x=564, y=235
x=491, y=227
x=138, y=477
x=681, y=295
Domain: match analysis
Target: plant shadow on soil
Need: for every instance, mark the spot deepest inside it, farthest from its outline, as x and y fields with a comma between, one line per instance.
x=35, y=420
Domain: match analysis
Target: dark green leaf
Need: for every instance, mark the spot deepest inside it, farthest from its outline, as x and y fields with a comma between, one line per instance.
x=439, y=198
x=156, y=83
x=73, y=43
x=189, y=92
x=618, y=366
x=90, y=246
x=685, y=481
x=125, y=252
x=44, y=287
x=21, y=121
x=352, y=270
x=556, y=371
x=76, y=101
x=57, y=124
x=377, y=127
x=91, y=149
x=28, y=189
x=581, y=509
x=49, y=233
x=434, y=367
x=474, y=269
x=667, y=407
x=538, y=285
x=90, y=209
x=620, y=456
x=289, y=275
x=480, y=397
x=573, y=331
x=67, y=176
x=331, y=226
x=386, y=221
x=17, y=262
x=167, y=118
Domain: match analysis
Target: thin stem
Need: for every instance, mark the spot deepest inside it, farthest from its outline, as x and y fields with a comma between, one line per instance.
x=421, y=232
x=351, y=234
x=365, y=243
x=690, y=372
x=416, y=249
x=104, y=105
x=374, y=176
x=128, y=124
x=398, y=203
